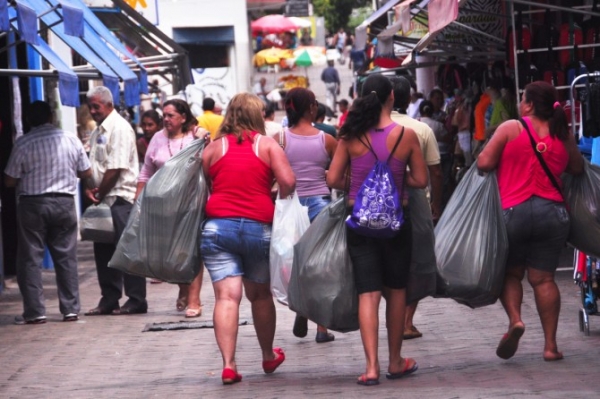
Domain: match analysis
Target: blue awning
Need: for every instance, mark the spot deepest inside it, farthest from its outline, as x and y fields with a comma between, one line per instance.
x=4, y=20
x=106, y=34
x=68, y=82
x=94, y=50
x=109, y=78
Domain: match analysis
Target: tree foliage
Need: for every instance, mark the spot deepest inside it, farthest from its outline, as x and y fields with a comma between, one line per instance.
x=337, y=12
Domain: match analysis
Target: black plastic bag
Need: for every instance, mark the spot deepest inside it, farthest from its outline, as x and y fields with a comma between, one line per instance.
x=322, y=285
x=161, y=237
x=582, y=195
x=471, y=244
x=423, y=270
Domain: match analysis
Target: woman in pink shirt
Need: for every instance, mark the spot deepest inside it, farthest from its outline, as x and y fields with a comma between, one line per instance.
x=179, y=130
x=536, y=220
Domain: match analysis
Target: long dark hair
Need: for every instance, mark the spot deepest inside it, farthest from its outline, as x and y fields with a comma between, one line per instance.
x=297, y=103
x=365, y=110
x=184, y=109
x=543, y=97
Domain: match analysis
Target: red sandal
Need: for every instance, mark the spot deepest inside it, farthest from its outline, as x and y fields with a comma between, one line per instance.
x=230, y=377
x=270, y=366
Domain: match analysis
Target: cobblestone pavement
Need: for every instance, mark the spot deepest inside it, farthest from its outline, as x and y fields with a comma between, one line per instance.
x=110, y=356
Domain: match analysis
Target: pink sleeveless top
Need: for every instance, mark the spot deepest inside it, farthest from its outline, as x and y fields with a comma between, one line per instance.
x=309, y=159
x=520, y=174
x=362, y=165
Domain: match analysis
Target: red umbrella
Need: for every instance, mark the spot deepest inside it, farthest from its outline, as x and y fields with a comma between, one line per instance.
x=273, y=24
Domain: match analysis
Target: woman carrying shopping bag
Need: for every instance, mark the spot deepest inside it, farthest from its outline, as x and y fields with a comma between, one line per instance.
x=309, y=152
x=381, y=265
x=529, y=157
x=179, y=130
x=240, y=166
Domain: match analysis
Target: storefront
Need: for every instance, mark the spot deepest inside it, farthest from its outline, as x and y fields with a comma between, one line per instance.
x=54, y=50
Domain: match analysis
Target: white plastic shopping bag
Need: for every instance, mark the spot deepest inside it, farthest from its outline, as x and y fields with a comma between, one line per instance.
x=289, y=224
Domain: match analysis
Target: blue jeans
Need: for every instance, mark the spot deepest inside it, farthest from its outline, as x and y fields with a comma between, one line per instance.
x=315, y=204
x=236, y=247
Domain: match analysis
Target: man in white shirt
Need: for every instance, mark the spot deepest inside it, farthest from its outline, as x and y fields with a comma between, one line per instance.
x=114, y=160
x=431, y=153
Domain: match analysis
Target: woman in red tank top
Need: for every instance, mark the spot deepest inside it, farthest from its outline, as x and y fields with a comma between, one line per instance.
x=240, y=167
x=536, y=220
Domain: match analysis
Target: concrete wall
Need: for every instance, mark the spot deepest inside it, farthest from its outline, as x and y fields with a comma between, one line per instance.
x=211, y=13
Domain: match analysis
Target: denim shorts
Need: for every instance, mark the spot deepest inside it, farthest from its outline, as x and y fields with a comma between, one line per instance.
x=537, y=232
x=236, y=247
x=315, y=204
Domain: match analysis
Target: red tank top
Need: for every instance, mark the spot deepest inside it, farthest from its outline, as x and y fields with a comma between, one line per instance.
x=241, y=184
x=520, y=174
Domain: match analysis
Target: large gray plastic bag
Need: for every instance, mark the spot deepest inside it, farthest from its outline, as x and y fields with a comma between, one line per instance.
x=582, y=195
x=161, y=237
x=322, y=283
x=471, y=244
x=423, y=270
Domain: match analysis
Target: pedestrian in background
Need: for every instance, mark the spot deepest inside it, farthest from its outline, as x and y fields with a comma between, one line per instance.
x=319, y=122
x=381, y=265
x=114, y=160
x=44, y=166
x=431, y=153
x=331, y=78
x=236, y=233
x=444, y=142
x=151, y=123
x=210, y=119
x=537, y=221
x=309, y=151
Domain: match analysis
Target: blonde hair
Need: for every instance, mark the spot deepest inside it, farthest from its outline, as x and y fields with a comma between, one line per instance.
x=244, y=115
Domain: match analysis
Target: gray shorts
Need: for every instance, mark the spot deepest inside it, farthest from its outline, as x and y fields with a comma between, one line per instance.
x=537, y=232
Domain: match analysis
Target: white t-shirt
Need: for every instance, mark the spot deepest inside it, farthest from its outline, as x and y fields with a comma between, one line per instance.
x=272, y=128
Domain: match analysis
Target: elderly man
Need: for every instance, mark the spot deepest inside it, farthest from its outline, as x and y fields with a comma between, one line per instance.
x=44, y=166
x=114, y=160
x=431, y=153
x=260, y=89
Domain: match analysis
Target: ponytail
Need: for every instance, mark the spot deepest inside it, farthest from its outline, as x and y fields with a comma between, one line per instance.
x=558, y=124
x=365, y=111
x=362, y=116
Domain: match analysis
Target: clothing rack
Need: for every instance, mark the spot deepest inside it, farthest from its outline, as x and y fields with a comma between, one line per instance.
x=539, y=8
x=573, y=86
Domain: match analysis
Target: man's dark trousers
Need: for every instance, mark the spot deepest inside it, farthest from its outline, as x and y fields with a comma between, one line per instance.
x=112, y=280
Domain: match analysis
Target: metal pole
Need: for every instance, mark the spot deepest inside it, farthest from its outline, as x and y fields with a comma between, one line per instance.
x=514, y=49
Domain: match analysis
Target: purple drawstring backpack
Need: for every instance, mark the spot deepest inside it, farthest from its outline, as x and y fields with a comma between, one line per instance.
x=377, y=210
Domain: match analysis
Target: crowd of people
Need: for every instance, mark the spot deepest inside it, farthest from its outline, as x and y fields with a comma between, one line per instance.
x=310, y=158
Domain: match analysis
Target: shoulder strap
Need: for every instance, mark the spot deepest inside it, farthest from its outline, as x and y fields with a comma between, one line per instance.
x=258, y=136
x=281, y=136
x=368, y=145
x=395, y=145
x=540, y=158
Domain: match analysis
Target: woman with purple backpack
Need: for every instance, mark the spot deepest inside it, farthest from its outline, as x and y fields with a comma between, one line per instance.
x=381, y=265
